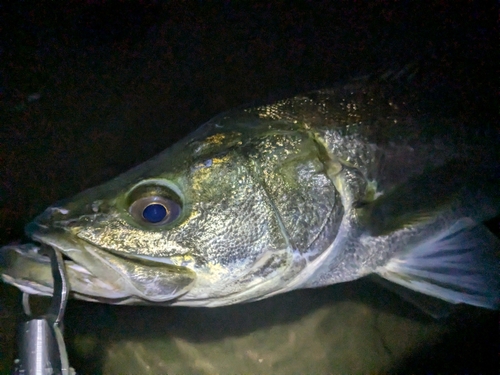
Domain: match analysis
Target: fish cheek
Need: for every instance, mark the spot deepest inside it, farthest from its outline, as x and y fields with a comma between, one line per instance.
x=232, y=222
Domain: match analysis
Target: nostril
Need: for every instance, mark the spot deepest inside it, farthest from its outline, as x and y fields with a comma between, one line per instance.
x=72, y=223
x=96, y=205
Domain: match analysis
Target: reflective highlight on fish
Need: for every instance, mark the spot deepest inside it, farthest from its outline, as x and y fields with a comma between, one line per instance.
x=318, y=189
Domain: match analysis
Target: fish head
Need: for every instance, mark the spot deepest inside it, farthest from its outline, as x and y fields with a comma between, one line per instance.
x=194, y=226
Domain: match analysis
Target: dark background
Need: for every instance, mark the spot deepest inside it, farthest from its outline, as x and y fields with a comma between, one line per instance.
x=89, y=89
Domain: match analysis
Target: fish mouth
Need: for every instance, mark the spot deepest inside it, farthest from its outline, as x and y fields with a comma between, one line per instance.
x=93, y=274
x=27, y=268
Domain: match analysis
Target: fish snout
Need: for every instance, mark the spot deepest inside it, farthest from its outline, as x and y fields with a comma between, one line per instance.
x=66, y=215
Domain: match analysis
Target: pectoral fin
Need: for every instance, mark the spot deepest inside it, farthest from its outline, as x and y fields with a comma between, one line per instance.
x=459, y=265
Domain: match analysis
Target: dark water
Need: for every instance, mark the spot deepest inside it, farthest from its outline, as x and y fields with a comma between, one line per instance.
x=88, y=90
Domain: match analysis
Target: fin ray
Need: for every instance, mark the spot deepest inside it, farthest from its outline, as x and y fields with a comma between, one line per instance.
x=459, y=265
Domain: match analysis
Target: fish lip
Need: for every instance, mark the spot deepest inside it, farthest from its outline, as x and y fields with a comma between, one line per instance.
x=102, y=290
x=35, y=253
x=37, y=232
x=155, y=282
x=38, y=238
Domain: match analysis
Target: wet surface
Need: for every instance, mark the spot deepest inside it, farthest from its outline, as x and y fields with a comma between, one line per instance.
x=90, y=90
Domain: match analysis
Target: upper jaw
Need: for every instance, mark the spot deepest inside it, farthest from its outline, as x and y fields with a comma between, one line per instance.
x=25, y=267
x=93, y=273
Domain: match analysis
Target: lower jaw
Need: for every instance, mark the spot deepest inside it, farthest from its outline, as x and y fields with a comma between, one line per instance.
x=27, y=268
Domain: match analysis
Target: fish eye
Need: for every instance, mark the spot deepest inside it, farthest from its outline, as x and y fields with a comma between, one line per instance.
x=155, y=210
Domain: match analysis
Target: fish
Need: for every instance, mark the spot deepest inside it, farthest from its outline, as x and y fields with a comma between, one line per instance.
x=326, y=187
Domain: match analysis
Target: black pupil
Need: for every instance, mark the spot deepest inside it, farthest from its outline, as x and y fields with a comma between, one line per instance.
x=154, y=213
